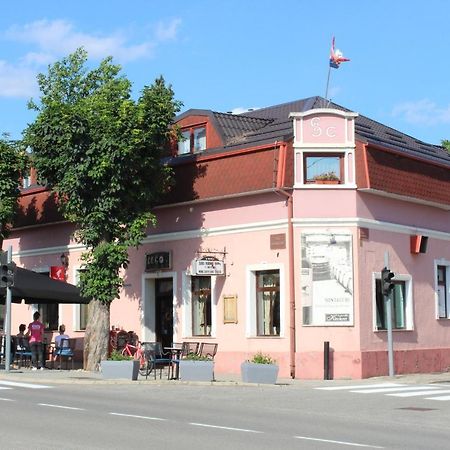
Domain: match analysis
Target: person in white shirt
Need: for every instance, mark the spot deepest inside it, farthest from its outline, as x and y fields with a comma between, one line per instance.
x=62, y=335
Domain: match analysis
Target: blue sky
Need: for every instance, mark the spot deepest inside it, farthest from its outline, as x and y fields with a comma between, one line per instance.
x=231, y=55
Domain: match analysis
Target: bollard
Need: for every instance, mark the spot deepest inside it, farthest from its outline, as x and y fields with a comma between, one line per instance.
x=326, y=360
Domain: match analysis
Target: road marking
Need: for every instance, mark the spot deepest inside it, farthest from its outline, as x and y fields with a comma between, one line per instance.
x=1, y=387
x=7, y=400
x=224, y=428
x=384, y=390
x=136, y=416
x=361, y=386
x=440, y=398
x=61, y=406
x=24, y=385
x=353, y=444
x=418, y=393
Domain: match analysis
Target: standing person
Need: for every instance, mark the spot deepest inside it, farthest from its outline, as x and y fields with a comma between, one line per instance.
x=36, y=333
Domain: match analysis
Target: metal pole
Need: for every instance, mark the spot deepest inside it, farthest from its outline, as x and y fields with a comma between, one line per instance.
x=388, y=307
x=326, y=360
x=8, y=319
x=328, y=83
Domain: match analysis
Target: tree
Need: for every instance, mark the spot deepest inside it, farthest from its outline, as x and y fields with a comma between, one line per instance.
x=13, y=165
x=100, y=152
x=446, y=144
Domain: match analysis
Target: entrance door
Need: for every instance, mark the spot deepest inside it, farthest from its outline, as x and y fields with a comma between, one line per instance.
x=164, y=311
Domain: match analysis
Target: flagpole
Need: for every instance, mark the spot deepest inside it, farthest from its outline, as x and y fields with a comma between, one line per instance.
x=328, y=82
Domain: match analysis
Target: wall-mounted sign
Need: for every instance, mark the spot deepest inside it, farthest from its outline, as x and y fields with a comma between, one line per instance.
x=278, y=241
x=58, y=273
x=158, y=261
x=208, y=265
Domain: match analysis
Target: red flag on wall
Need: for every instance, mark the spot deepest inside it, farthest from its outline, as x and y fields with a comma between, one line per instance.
x=58, y=273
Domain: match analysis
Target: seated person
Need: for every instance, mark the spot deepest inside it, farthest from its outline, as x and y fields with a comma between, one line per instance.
x=62, y=335
x=22, y=339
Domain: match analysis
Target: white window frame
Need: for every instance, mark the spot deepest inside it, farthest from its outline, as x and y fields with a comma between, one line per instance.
x=409, y=303
x=251, y=319
x=76, y=307
x=184, y=144
x=445, y=263
x=187, y=306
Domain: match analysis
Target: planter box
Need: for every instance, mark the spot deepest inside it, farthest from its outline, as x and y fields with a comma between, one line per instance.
x=196, y=370
x=259, y=373
x=128, y=370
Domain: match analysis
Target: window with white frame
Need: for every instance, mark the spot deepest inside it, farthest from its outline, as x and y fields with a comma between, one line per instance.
x=401, y=301
x=268, y=302
x=201, y=305
x=80, y=310
x=442, y=290
x=192, y=140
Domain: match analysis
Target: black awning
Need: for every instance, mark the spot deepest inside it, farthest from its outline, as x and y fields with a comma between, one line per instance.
x=34, y=287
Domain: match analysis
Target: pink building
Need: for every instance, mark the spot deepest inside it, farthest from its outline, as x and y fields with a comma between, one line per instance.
x=273, y=240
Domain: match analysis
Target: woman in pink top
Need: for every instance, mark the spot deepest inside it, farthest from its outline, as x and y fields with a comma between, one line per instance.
x=36, y=334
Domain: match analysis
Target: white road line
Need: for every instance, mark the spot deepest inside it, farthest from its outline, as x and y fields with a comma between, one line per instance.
x=24, y=385
x=5, y=387
x=393, y=389
x=224, y=428
x=7, y=400
x=353, y=444
x=61, y=406
x=418, y=393
x=136, y=416
x=361, y=386
x=440, y=398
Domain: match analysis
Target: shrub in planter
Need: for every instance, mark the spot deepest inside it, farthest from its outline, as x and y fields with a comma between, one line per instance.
x=196, y=368
x=260, y=369
x=118, y=366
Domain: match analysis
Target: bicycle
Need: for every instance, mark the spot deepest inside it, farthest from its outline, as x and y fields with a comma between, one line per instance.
x=138, y=353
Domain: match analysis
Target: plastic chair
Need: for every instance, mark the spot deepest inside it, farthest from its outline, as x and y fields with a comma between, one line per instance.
x=208, y=349
x=156, y=359
x=66, y=350
x=23, y=351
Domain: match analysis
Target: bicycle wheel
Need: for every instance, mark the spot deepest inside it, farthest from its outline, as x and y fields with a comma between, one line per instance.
x=144, y=367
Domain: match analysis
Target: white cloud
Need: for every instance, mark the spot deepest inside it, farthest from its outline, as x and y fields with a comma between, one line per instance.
x=59, y=38
x=51, y=40
x=166, y=31
x=17, y=81
x=240, y=110
x=422, y=112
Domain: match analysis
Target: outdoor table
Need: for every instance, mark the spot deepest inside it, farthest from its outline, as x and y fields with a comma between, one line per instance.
x=176, y=354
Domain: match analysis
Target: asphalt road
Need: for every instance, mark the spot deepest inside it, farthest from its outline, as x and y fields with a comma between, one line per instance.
x=167, y=416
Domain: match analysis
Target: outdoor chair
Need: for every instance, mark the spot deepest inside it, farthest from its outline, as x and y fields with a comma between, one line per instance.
x=208, y=349
x=65, y=350
x=156, y=359
x=23, y=352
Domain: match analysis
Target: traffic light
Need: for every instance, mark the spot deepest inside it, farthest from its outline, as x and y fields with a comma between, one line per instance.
x=386, y=281
x=7, y=272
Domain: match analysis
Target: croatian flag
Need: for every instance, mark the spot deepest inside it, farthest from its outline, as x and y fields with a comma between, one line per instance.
x=336, y=56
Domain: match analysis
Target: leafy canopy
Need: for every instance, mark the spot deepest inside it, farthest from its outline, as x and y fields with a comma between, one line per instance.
x=100, y=151
x=13, y=165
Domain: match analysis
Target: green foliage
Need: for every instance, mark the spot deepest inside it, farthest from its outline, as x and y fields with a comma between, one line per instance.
x=195, y=357
x=13, y=165
x=327, y=176
x=446, y=144
x=100, y=151
x=117, y=356
x=261, y=358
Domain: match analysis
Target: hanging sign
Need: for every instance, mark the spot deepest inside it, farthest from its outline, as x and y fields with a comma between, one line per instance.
x=209, y=265
x=158, y=261
x=58, y=273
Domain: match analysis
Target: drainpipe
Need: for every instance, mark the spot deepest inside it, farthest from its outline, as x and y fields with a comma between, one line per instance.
x=280, y=189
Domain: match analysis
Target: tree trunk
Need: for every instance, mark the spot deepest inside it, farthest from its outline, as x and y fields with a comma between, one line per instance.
x=96, y=338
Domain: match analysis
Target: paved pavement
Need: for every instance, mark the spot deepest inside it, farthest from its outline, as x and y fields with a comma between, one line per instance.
x=82, y=377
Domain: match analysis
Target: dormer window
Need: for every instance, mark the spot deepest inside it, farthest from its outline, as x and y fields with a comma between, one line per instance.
x=193, y=140
x=323, y=168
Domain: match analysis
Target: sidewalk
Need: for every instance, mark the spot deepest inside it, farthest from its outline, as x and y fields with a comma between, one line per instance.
x=80, y=376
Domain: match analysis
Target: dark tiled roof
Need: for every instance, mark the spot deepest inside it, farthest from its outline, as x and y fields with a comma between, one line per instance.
x=271, y=124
